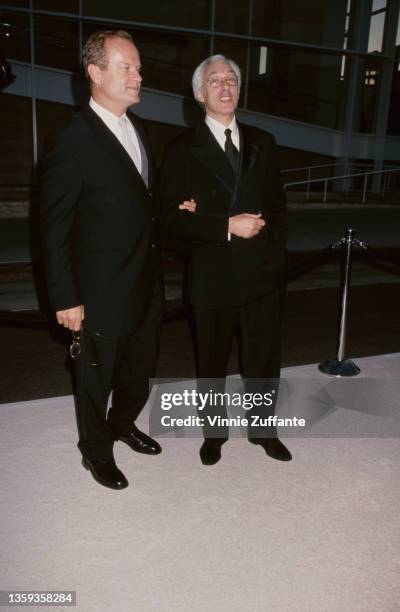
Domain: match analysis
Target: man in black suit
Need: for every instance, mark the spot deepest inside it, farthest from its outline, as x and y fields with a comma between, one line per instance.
x=98, y=225
x=225, y=177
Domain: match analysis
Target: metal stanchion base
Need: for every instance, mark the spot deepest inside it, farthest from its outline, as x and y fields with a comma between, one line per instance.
x=334, y=367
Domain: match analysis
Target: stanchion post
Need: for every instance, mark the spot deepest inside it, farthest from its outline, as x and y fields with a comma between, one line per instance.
x=341, y=366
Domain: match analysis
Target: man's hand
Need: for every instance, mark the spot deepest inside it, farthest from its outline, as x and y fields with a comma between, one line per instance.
x=71, y=318
x=188, y=205
x=245, y=225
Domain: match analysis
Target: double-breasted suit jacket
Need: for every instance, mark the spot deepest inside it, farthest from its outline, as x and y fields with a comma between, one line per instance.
x=98, y=223
x=225, y=273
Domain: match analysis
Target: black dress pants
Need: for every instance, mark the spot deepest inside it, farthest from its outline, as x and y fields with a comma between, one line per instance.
x=122, y=366
x=259, y=326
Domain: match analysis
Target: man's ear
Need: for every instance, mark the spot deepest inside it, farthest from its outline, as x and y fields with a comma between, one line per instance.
x=94, y=73
x=199, y=96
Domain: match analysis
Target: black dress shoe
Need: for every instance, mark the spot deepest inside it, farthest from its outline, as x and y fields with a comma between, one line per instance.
x=210, y=451
x=140, y=442
x=106, y=473
x=274, y=448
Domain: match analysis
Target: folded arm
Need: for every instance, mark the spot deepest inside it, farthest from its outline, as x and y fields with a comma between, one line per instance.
x=179, y=214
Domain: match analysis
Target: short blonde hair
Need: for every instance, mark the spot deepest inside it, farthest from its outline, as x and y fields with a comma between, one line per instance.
x=94, y=50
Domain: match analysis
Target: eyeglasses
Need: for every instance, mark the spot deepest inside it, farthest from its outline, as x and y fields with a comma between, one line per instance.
x=215, y=82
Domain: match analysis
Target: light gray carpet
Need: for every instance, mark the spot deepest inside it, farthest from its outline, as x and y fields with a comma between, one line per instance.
x=318, y=534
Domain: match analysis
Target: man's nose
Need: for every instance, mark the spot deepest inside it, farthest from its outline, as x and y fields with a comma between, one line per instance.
x=135, y=74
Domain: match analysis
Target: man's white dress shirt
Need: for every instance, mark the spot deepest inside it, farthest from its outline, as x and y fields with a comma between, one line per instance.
x=218, y=131
x=123, y=129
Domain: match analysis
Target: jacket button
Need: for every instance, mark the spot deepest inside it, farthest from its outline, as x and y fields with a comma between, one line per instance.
x=150, y=193
x=153, y=246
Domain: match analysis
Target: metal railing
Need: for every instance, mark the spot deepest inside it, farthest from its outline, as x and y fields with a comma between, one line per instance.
x=385, y=175
x=347, y=165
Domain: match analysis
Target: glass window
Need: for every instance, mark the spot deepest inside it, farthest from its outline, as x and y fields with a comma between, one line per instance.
x=318, y=22
x=57, y=43
x=61, y=6
x=377, y=25
x=394, y=115
x=231, y=16
x=299, y=85
x=168, y=59
x=49, y=117
x=398, y=36
x=14, y=36
x=378, y=5
x=370, y=74
x=193, y=14
x=18, y=3
x=16, y=151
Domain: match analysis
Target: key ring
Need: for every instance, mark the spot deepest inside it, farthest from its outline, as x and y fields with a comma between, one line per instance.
x=75, y=348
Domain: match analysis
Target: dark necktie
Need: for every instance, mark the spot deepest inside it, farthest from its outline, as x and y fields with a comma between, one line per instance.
x=231, y=151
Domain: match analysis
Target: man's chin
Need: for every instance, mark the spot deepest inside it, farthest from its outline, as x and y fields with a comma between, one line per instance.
x=134, y=99
x=227, y=109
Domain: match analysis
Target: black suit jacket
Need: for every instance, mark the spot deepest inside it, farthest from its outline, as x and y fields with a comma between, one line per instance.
x=98, y=226
x=226, y=273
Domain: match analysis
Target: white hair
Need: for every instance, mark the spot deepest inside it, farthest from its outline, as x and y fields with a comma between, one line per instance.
x=198, y=74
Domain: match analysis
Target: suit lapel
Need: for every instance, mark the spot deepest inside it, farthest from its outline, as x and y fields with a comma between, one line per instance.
x=109, y=142
x=207, y=150
x=249, y=151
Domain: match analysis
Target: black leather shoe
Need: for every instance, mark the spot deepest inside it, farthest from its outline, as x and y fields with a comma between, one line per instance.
x=210, y=451
x=274, y=448
x=140, y=442
x=106, y=473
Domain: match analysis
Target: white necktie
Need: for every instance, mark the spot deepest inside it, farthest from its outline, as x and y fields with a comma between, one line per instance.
x=128, y=143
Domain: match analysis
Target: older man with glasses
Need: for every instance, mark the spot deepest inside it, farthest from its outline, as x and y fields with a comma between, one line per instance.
x=222, y=192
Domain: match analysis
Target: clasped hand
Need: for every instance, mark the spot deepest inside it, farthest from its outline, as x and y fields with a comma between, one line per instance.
x=245, y=225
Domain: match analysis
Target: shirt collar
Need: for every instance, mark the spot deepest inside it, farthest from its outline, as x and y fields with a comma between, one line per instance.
x=218, y=128
x=107, y=116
